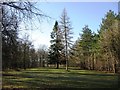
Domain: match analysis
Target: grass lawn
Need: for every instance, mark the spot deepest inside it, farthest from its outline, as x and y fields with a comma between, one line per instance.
x=58, y=78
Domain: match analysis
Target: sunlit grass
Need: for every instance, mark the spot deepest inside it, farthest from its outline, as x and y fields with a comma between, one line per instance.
x=53, y=78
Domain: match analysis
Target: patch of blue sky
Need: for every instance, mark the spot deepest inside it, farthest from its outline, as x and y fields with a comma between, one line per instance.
x=80, y=13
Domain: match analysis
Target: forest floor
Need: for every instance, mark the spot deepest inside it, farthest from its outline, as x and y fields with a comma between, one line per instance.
x=58, y=78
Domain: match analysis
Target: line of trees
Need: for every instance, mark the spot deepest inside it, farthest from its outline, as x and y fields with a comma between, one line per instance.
x=99, y=51
x=93, y=51
x=17, y=52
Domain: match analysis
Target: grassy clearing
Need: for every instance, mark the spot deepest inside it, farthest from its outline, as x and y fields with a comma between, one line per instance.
x=56, y=78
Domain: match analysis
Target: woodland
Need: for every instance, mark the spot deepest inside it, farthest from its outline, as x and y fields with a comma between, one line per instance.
x=92, y=55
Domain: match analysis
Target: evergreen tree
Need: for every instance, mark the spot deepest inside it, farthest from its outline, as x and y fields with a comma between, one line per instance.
x=108, y=40
x=56, y=45
x=86, y=44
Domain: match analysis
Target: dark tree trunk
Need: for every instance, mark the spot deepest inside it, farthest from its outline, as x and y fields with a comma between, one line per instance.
x=57, y=65
x=43, y=64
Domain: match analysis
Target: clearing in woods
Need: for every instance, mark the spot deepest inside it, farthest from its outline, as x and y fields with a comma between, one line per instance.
x=58, y=78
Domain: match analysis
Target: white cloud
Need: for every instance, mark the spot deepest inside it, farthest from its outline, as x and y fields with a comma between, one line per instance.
x=40, y=35
x=40, y=38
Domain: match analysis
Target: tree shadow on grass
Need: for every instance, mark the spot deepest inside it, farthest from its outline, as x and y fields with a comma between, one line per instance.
x=94, y=74
x=51, y=78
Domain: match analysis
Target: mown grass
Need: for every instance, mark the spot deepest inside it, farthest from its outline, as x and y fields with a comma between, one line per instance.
x=58, y=78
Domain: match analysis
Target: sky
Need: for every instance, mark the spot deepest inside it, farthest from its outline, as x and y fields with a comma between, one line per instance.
x=80, y=14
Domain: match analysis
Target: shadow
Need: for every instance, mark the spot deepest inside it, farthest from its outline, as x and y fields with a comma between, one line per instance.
x=8, y=75
x=94, y=74
x=73, y=79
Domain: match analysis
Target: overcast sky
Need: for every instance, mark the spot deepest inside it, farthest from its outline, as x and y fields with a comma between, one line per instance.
x=80, y=14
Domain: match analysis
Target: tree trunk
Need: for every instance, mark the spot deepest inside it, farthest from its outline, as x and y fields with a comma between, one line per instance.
x=43, y=63
x=94, y=61
x=24, y=58
x=67, y=65
x=114, y=68
x=66, y=62
x=57, y=65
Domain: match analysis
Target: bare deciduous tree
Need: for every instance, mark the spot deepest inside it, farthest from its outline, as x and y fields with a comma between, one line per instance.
x=66, y=28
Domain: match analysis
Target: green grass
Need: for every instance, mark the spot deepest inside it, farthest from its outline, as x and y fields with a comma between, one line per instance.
x=58, y=78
